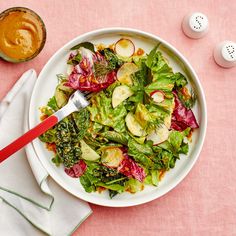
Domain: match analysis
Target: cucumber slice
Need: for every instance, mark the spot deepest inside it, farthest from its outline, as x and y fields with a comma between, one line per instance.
x=125, y=71
x=120, y=93
x=133, y=126
x=112, y=157
x=62, y=94
x=87, y=152
x=159, y=135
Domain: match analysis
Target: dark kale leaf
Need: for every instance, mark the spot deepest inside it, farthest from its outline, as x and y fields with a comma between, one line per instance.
x=87, y=45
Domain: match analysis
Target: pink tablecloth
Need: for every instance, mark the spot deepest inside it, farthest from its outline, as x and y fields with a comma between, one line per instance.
x=205, y=202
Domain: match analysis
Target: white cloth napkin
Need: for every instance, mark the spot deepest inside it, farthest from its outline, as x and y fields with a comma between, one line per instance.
x=31, y=203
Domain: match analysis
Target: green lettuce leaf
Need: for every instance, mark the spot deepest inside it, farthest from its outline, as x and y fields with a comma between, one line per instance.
x=102, y=112
x=180, y=80
x=157, y=63
x=115, y=137
x=139, y=153
x=52, y=103
x=163, y=82
x=152, y=178
x=115, y=187
x=133, y=185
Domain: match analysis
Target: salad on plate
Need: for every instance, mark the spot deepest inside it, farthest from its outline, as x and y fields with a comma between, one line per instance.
x=138, y=123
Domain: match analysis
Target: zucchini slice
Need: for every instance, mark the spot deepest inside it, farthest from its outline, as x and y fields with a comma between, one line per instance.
x=133, y=126
x=120, y=94
x=87, y=152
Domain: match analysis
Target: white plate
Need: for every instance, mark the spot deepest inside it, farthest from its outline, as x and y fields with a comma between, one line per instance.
x=44, y=89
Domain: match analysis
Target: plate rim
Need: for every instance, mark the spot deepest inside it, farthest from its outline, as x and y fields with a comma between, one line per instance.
x=199, y=144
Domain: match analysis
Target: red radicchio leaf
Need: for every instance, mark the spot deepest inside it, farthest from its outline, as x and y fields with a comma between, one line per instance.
x=182, y=117
x=131, y=169
x=76, y=170
x=83, y=77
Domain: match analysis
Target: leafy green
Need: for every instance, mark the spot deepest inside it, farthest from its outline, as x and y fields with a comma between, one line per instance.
x=75, y=60
x=87, y=45
x=115, y=187
x=140, y=79
x=180, y=80
x=165, y=83
x=81, y=120
x=139, y=153
x=101, y=69
x=168, y=152
x=98, y=175
x=49, y=136
x=145, y=148
x=57, y=160
x=133, y=185
x=175, y=139
x=187, y=100
x=155, y=177
x=151, y=57
x=67, y=142
x=102, y=112
x=157, y=63
x=52, y=103
x=115, y=137
x=113, y=61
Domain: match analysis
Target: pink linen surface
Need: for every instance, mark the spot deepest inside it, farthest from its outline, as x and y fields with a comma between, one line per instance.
x=205, y=202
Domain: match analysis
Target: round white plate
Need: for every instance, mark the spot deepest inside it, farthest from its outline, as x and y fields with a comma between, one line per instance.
x=45, y=87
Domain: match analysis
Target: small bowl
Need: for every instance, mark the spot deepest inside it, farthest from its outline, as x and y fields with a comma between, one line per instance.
x=41, y=25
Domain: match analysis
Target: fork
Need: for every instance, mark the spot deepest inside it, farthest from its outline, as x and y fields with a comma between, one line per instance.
x=76, y=102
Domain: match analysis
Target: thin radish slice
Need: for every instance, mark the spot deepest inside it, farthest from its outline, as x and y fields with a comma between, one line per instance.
x=159, y=135
x=158, y=96
x=124, y=72
x=124, y=47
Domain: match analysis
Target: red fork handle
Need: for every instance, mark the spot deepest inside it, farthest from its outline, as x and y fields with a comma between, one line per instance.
x=28, y=137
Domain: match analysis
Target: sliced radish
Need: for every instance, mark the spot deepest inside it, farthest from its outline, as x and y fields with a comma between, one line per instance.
x=112, y=157
x=159, y=135
x=120, y=93
x=124, y=47
x=124, y=72
x=158, y=96
x=133, y=126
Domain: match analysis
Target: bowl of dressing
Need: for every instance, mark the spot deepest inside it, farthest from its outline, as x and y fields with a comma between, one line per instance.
x=22, y=34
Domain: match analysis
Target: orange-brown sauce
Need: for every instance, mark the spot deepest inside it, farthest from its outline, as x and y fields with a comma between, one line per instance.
x=21, y=34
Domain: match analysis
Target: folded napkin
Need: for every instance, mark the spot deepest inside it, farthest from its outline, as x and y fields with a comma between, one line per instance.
x=31, y=203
